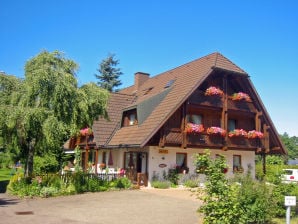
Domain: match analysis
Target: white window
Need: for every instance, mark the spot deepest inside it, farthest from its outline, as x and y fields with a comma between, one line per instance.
x=132, y=119
x=194, y=118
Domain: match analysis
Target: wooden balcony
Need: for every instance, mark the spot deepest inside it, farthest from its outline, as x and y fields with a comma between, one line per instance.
x=200, y=99
x=176, y=137
x=241, y=106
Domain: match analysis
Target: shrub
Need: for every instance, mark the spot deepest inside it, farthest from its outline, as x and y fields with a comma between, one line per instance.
x=161, y=184
x=123, y=183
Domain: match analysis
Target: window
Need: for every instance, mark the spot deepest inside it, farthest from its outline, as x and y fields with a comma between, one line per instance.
x=181, y=162
x=194, y=118
x=132, y=119
x=129, y=118
x=231, y=125
x=237, y=163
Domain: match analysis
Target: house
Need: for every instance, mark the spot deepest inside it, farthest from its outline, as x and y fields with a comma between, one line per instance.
x=160, y=122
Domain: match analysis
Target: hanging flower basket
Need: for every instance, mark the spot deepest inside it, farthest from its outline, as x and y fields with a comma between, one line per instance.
x=216, y=130
x=255, y=134
x=238, y=133
x=213, y=91
x=241, y=96
x=86, y=131
x=194, y=128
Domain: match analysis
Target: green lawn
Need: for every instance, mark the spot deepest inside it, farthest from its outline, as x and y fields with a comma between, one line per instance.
x=5, y=175
x=283, y=220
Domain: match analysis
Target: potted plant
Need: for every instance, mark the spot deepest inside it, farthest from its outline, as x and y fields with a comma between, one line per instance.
x=255, y=134
x=238, y=133
x=216, y=130
x=213, y=91
x=194, y=128
x=241, y=96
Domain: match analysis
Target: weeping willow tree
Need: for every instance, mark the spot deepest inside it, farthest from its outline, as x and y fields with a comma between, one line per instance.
x=45, y=108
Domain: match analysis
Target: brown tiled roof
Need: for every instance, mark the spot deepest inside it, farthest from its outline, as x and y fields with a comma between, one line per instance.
x=186, y=78
x=104, y=129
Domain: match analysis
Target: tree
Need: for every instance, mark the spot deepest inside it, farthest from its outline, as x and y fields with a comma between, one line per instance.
x=109, y=73
x=291, y=144
x=51, y=107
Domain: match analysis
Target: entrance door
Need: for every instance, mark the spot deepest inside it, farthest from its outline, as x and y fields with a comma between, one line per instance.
x=135, y=162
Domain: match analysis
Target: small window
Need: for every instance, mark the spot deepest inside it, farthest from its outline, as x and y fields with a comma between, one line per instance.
x=194, y=118
x=237, y=163
x=181, y=162
x=231, y=125
x=132, y=119
x=169, y=83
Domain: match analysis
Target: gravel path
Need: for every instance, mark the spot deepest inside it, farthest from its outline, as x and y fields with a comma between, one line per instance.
x=145, y=206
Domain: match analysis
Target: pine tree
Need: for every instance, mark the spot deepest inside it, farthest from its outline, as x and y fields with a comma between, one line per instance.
x=109, y=73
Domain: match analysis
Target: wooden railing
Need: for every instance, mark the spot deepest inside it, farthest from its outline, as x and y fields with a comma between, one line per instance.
x=177, y=137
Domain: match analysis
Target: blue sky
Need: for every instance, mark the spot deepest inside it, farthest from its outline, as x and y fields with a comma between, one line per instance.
x=154, y=36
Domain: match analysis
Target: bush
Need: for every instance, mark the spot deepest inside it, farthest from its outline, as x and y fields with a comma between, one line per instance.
x=123, y=183
x=45, y=164
x=161, y=184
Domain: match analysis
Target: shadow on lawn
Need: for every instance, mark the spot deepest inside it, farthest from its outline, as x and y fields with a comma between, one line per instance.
x=3, y=185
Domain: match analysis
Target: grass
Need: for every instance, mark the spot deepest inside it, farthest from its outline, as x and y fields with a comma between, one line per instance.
x=283, y=220
x=5, y=175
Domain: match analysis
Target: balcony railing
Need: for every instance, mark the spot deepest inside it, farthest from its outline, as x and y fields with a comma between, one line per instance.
x=177, y=137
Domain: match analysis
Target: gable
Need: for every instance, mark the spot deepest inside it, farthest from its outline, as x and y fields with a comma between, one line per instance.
x=156, y=100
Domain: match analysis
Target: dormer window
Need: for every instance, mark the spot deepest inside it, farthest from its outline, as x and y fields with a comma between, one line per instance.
x=132, y=119
x=129, y=118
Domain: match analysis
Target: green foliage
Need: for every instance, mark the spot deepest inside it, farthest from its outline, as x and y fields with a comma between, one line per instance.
x=173, y=176
x=123, y=183
x=291, y=144
x=40, y=112
x=45, y=164
x=161, y=184
x=243, y=201
x=109, y=73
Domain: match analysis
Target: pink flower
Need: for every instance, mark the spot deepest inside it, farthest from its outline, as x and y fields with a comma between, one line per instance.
x=216, y=130
x=212, y=90
x=194, y=128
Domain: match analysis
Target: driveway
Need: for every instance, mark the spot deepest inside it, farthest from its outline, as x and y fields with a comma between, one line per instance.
x=145, y=206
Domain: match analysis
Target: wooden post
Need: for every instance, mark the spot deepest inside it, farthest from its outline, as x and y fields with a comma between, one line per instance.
x=96, y=159
x=224, y=114
x=264, y=162
x=183, y=125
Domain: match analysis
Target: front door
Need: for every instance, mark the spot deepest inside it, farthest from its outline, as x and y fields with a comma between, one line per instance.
x=134, y=163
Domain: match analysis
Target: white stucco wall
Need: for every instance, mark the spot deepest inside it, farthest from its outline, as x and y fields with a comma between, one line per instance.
x=155, y=159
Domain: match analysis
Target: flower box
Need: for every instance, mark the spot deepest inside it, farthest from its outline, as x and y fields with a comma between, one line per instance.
x=238, y=133
x=213, y=91
x=194, y=128
x=86, y=131
x=216, y=130
x=255, y=134
x=241, y=96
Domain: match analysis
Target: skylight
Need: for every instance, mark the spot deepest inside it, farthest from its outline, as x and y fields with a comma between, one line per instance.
x=169, y=83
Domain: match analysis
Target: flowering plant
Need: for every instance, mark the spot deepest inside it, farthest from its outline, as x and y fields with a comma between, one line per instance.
x=238, y=132
x=216, y=130
x=85, y=131
x=241, y=96
x=255, y=134
x=211, y=91
x=194, y=128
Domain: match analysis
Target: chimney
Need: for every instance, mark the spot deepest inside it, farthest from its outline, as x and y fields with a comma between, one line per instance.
x=140, y=79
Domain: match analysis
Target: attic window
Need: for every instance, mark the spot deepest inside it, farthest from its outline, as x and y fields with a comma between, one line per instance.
x=169, y=83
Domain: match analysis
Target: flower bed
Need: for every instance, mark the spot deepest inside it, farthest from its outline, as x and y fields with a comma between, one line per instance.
x=241, y=96
x=216, y=130
x=213, y=91
x=255, y=134
x=238, y=133
x=194, y=128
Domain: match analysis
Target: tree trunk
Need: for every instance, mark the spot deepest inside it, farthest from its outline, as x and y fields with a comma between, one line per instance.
x=29, y=165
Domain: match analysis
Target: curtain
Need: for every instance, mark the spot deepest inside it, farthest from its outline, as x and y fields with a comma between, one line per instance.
x=180, y=159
